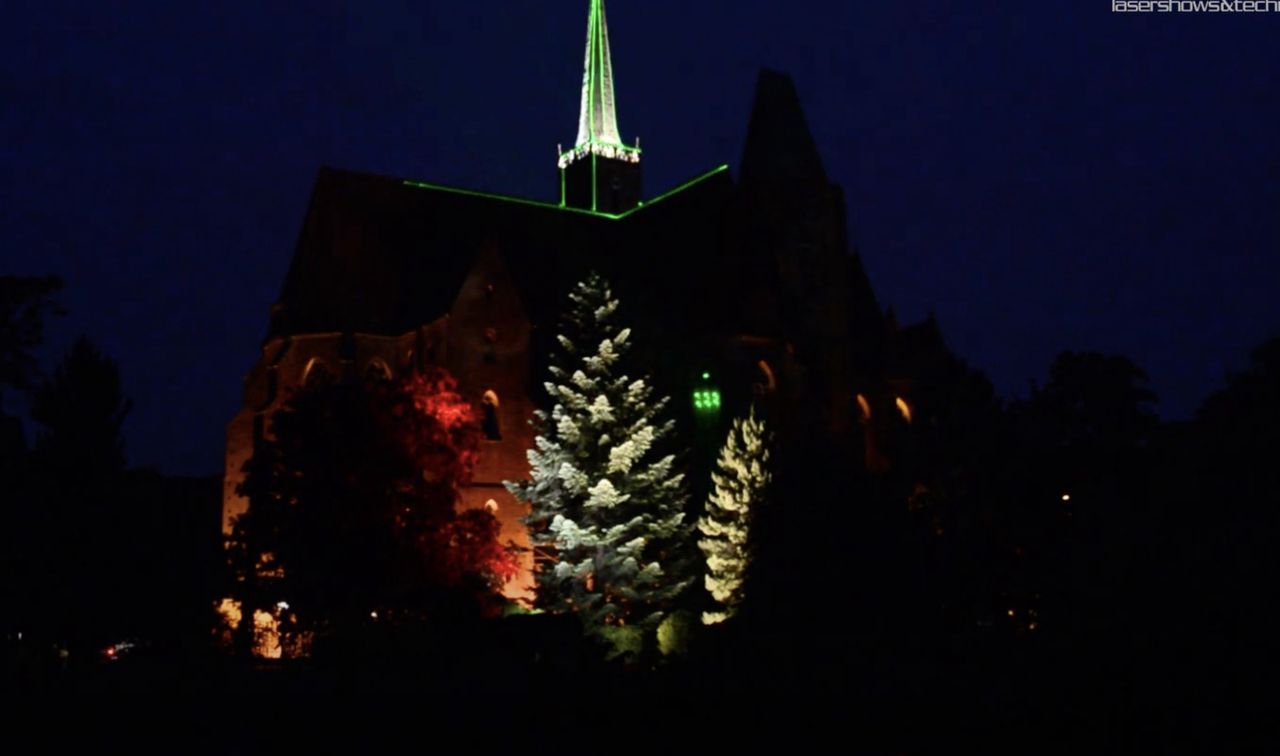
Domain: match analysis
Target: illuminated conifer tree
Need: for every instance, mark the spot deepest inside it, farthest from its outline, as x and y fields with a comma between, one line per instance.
x=741, y=480
x=607, y=519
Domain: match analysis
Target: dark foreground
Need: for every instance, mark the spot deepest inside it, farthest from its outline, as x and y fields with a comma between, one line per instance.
x=500, y=688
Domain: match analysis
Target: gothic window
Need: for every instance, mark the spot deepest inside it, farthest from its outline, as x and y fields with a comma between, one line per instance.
x=864, y=407
x=377, y=371
x=490, y=338
x=316, y=374
x=904, y=408
x=768, y=383
x=489, y=422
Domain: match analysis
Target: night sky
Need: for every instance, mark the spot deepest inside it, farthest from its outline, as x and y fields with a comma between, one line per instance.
x=1043, y=175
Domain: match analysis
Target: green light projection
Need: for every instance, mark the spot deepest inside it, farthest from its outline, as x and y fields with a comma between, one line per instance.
x=552, y=206
x=706, y=399
x=598, y=116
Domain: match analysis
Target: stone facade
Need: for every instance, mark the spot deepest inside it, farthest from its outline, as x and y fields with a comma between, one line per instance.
x=483, y=341
x=748, y=281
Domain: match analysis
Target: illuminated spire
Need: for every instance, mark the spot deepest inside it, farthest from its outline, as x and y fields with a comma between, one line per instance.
x=598, y=117
x=598, y=121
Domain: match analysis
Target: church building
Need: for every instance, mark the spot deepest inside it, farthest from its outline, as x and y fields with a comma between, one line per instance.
x=739, y=284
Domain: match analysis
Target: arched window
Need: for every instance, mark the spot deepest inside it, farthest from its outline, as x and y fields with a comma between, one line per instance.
x=768, y=382
x=377, y=371
x=904, y=408
x=864, y=406
x=490, y=338
x=489, y=421
x=491, y=506
x=315, y=374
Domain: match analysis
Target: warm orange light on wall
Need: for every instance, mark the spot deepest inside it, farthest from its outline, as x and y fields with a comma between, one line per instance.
x=904, y=408
x=266, y=628
x=866, y=408
x=770, y=381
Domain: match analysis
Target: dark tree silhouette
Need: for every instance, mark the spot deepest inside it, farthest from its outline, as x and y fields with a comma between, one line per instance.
x=352, y=512
x=1248, y=408
x=81, y=409
x=1096, y=405
x=74, y=544
x=1077, y=510
x=1226, y=498
x=947, y=459
x=25, y=302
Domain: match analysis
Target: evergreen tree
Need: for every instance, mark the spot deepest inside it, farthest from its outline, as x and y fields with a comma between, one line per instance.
x=82, y=409
x=24, y=304
x=77, y=537
x=607, y=521
x=741, y=482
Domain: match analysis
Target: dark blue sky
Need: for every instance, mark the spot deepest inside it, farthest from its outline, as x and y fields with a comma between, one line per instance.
x=1044, y=175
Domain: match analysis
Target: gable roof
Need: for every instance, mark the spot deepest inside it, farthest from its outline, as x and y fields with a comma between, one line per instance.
x=384, y=255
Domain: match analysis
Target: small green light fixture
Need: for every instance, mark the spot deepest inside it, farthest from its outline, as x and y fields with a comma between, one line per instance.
x=706, y=397
x=706, y=400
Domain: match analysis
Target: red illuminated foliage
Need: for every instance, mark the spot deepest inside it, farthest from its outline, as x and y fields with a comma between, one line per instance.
x=353, y=500
x=439, y=430
x=469, y=545
x=436, y=427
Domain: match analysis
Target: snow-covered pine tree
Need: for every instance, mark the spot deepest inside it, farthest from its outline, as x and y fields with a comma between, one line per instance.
x=607, y=522
x=741, y=482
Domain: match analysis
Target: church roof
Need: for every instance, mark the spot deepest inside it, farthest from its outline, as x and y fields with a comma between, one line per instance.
x=385, y=255
x=779, y=146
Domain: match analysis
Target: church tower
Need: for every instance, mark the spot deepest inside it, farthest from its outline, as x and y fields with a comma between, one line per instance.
x=600, y=173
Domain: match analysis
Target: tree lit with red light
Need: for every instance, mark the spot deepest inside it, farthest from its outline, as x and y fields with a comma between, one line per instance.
x=352, y=510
